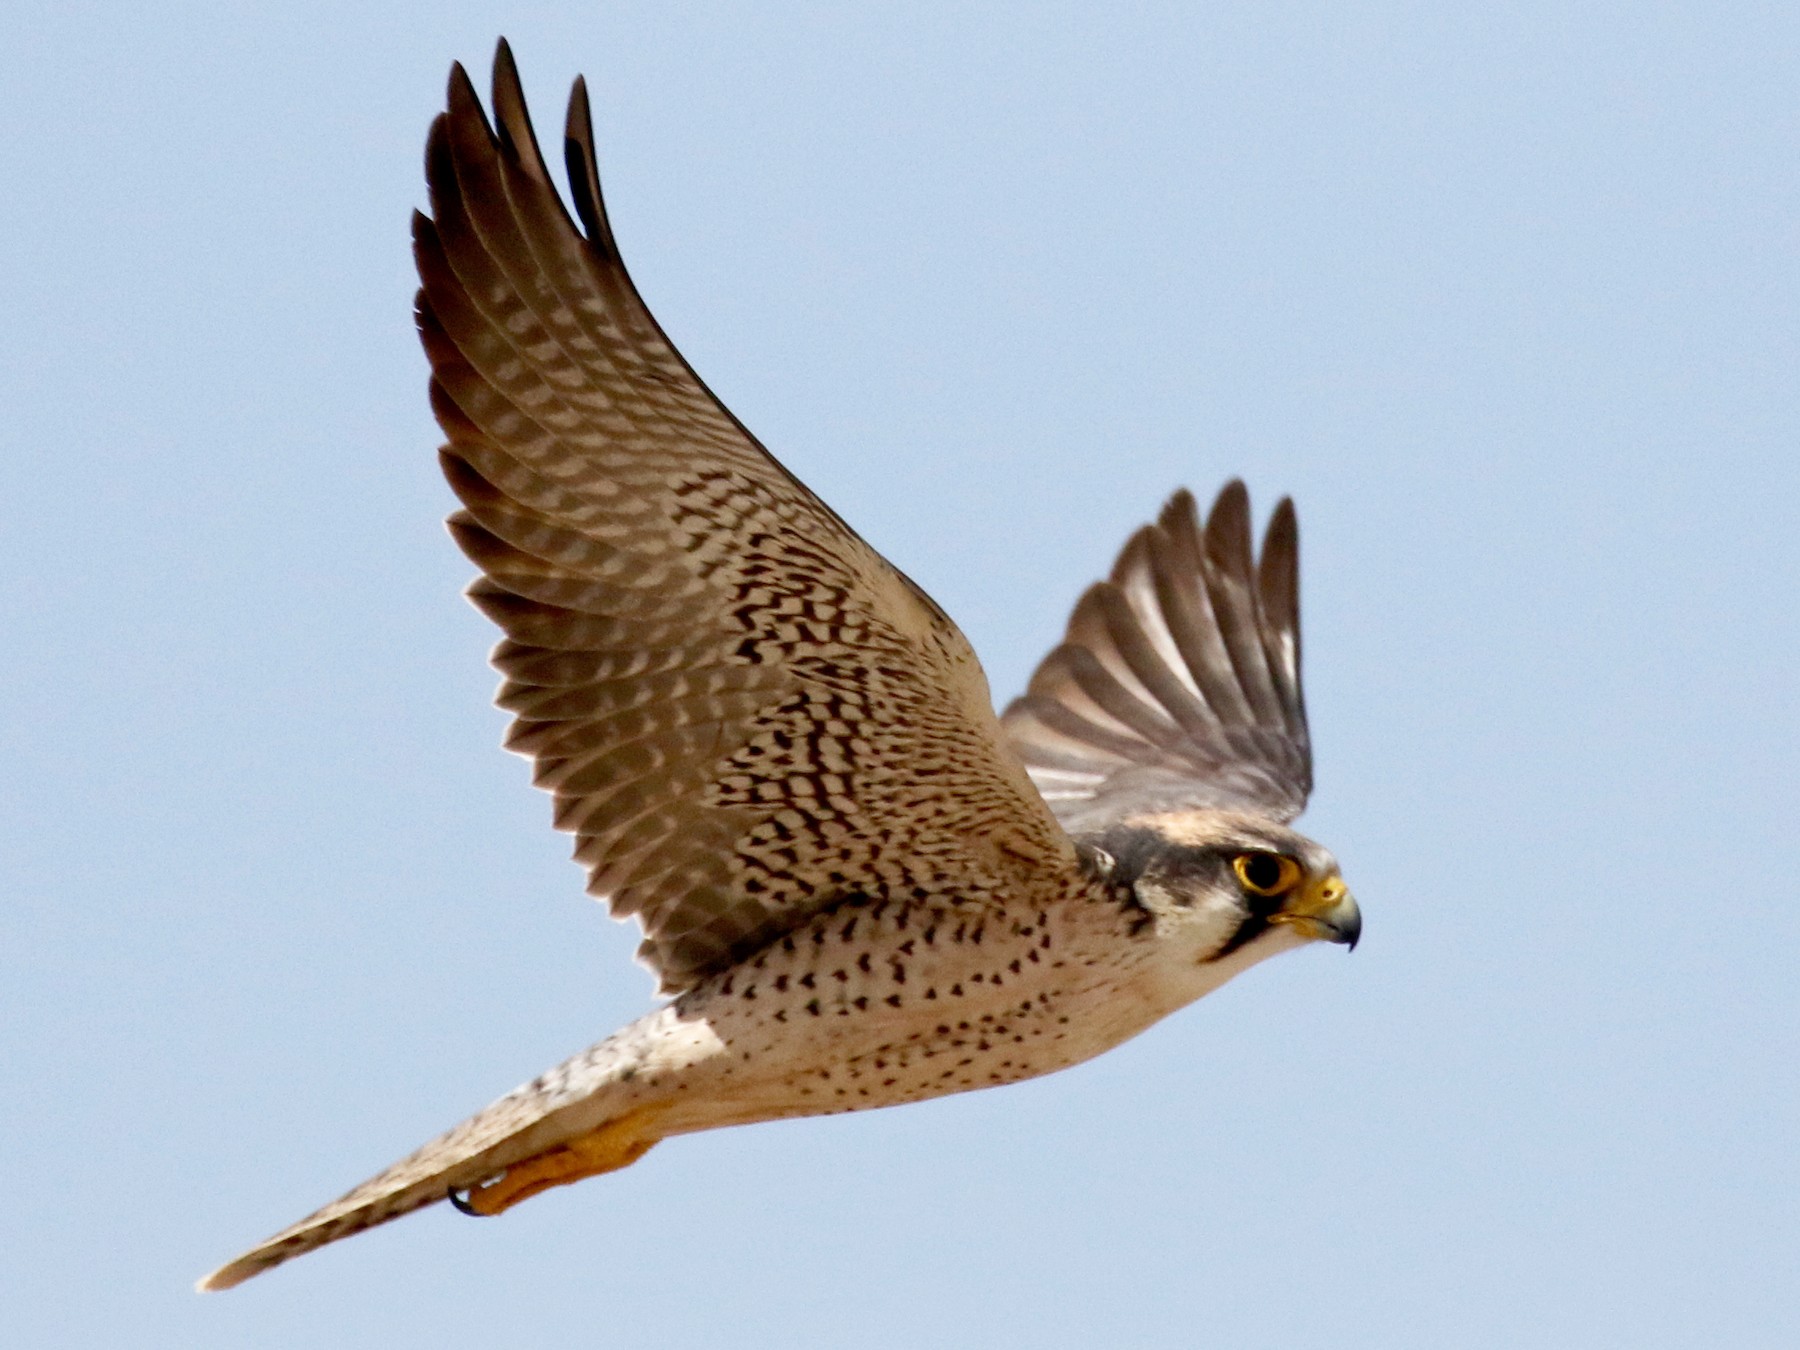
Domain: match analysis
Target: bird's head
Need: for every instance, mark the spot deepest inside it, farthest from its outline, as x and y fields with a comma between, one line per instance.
x=1222, y=882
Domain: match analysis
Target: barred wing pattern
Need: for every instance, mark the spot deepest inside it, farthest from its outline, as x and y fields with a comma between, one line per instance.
x=743, y=711
x=1177, y=686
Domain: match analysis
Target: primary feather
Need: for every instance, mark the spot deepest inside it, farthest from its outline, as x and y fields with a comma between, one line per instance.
x=733, y=698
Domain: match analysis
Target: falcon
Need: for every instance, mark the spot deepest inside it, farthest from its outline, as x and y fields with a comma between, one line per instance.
x=857, y=884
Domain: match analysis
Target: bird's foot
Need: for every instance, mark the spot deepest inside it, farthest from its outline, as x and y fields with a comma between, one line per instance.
x=618, y=1143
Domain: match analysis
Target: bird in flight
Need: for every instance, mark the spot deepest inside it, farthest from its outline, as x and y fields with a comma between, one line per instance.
x=857, y=884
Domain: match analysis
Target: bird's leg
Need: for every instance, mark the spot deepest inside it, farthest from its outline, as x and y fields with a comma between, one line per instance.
x=618, y=1143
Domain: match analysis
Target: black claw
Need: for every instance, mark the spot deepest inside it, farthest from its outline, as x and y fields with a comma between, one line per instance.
x=459, y=1197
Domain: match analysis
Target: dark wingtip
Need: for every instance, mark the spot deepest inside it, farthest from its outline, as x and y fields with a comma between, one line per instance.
x=580, y=117
x=512, y=119
x=506, y=85
x=1228, y=528
x=1233, y=499
x=463, y=110
x=584, y=171
x=460, y=89
x=1283, y=532
x=1135, y=556
x=1278, y=569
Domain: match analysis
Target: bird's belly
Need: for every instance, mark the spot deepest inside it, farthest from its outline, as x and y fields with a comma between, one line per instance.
x=878, y=1008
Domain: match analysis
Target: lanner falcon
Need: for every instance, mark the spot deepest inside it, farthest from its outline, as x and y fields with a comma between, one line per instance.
x=859, y=886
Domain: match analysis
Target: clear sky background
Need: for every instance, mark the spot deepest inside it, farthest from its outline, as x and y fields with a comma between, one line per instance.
x=1504, y=295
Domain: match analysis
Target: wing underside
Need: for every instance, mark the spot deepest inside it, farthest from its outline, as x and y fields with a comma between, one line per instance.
x=1177, y=685
x=743, y=712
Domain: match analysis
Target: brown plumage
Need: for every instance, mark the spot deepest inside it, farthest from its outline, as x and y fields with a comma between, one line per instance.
x=780, y=756
x=1170, y=695
x=730, y=694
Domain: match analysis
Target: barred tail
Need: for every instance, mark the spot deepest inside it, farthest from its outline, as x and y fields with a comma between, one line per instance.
x=573, y=1099
x=482, y=1145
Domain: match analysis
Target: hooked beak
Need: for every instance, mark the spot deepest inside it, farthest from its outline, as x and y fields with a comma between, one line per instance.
x=1325, y=909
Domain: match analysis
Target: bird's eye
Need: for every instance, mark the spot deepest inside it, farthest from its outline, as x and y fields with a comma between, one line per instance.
x=1266, y=873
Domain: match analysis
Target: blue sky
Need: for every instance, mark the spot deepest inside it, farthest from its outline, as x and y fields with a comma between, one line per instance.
x=1505, y=296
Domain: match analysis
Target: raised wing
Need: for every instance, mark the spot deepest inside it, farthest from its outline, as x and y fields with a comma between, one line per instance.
x=744, y=712
x=1177, y=686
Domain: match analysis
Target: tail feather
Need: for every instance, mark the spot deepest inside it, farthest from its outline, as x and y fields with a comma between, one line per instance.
x=573, y=1099
x=560, y=1103
x=495, y=1138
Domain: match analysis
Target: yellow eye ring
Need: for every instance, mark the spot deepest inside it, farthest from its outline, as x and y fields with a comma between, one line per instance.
x=1263, y=873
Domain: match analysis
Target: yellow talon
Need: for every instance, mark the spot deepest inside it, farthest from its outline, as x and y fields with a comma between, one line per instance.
x=618, y=1143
